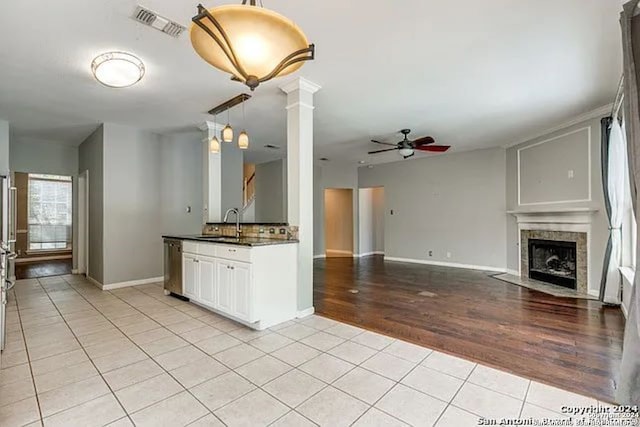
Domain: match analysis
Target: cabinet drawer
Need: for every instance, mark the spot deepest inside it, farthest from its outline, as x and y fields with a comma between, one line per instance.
x=189, y=247
x=235, y=253
x=207, y=249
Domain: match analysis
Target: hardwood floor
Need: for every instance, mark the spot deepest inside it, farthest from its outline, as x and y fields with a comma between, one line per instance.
x=35, y=269
x=572, y=344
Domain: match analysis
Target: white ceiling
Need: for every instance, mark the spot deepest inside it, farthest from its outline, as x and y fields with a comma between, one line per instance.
x=470, y=73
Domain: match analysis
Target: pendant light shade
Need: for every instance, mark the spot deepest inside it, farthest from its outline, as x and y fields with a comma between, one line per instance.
x=227, y=133
x=243, y=140
x=214, y=145
x=251, y=43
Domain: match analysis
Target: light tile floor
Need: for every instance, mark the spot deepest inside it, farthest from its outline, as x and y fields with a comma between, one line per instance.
x=79, y=356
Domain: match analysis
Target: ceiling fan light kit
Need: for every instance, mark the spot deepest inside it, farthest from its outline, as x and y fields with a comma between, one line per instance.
x=251, y=43
x=407, y=148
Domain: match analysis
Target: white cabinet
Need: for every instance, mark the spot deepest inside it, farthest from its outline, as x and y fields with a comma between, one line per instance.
x=234, y=289
x=224, y=286
x=190, y=279
x=241, y=284
x=253, y=285
x=207, y=281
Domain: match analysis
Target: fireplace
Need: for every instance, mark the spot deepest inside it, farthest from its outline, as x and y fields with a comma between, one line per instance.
x=553, y=261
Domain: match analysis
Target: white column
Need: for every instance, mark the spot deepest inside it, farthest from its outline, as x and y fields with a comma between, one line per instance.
x=300, y=180
x=211, y=174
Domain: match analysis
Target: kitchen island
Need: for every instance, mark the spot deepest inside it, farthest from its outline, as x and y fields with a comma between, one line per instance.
x=251, y=280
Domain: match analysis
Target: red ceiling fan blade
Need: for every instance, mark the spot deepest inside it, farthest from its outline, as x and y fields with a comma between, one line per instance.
x=382, y=151
x=434, y=148
x=423, y=141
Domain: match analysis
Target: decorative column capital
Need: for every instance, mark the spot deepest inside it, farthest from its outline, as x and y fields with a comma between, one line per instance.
x=302, y=84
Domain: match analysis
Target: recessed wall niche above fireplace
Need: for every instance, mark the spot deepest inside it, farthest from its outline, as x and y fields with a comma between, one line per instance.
x=555, y=257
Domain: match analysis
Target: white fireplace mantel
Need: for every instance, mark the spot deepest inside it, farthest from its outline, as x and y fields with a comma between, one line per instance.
x=556, y=216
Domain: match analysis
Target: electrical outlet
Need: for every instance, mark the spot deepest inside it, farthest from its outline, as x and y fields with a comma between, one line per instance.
x=430, y=253
x=272, y=231
x=448, y=254
x=283, y=231
x=570, y=174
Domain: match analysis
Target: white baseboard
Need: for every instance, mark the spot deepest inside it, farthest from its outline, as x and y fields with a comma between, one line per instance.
x=340, y=252
x=306, y=312
x=512, y=272
x=446, y=264
x=319, y=256
x=368, y=254
x=75, y=271
x=119, y=285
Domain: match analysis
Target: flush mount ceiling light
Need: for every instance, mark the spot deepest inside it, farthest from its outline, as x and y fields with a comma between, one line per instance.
x=117, y=69
x=250, y=42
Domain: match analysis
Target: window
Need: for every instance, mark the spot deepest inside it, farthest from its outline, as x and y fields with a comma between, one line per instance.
x=49, y=212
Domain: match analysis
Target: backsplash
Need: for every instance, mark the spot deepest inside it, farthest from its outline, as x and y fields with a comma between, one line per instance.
x=266, y=231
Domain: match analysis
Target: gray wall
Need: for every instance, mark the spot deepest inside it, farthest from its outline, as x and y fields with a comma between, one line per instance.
x=53, y=158
x=132, y=221
x=443, y=203
x=91, y=158
x=371, y=220
x=4, y=147
x=545, y=184
x=271, y=191
x=181, y=183
x=232, y=176
x=332, y=175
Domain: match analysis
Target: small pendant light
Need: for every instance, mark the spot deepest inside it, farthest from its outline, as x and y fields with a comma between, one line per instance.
x=227, y=132
x=243, y=138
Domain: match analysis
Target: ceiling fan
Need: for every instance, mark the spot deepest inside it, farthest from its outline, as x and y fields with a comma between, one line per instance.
x=407, y=147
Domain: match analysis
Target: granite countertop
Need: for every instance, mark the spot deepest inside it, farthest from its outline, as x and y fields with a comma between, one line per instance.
x=242, y=241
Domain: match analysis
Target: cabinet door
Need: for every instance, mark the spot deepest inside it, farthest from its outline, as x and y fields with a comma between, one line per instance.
x=224, y=287
x=190, y=276
x=207, y=282
x=242, y=290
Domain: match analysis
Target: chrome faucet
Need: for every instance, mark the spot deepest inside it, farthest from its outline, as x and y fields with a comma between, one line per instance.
x=226, y=217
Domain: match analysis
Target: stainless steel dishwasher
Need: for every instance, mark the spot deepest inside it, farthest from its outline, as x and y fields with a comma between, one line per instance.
x=173, y=267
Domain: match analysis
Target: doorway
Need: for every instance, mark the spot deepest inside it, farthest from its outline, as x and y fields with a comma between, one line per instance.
x=371, y=221
x=44, y=215
x=338, y=222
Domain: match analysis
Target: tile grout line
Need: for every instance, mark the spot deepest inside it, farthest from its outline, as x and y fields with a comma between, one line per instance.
x=33, y=378
x=255, y=385
x=85, y=352
x=147, y=354
x=524, y=400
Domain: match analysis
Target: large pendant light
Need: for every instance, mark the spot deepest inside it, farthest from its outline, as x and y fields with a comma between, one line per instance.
x=250, y=42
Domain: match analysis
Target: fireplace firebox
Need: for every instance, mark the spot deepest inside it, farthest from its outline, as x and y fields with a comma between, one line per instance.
x=553, y=261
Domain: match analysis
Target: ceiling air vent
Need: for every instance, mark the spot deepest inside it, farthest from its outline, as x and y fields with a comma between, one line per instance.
x=152, y=19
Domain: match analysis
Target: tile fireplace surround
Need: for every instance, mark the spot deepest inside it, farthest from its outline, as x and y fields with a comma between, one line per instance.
x=564, y=224
x=579, y=238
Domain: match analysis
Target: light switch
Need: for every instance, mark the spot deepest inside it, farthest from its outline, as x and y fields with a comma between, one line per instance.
x=570, y=173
